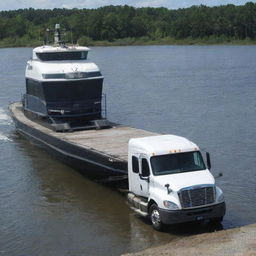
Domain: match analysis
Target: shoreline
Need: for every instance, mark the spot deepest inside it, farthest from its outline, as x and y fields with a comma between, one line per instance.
x=18, y=42
x=237, y=241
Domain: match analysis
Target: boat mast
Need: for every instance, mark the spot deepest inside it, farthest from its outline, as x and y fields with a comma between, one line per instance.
x=57, y=35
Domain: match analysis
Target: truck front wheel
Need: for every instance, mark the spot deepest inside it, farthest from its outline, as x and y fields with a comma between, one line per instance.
x=155, y=217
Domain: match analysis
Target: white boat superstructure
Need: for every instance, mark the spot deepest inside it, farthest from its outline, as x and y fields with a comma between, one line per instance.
x=54, y=63
x=62, y=86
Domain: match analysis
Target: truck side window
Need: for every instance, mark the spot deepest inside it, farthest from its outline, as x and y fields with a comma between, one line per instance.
x=145, y=168
x=135, y=164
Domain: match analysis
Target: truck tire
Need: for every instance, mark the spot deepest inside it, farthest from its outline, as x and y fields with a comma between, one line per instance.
x=155, y=217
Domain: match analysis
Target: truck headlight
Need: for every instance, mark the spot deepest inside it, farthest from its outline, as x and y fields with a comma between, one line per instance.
x=170, y=205
x=219, y=195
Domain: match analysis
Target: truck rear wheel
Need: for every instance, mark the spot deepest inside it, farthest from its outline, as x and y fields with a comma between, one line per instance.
x=155, y=217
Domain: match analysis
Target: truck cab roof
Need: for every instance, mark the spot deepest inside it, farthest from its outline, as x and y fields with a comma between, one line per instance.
x=161, y=145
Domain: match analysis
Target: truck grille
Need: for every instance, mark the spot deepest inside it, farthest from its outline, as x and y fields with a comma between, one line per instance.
x=197, y=196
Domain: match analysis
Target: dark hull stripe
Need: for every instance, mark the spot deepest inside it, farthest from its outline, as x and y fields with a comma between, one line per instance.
x=72, y=155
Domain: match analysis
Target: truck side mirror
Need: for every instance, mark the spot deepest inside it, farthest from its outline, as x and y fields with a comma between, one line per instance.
x=208, y=159
x=168, y=188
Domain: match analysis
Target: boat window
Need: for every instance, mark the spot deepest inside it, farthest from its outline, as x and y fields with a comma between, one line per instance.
x=51, y=56
x=34, y=88
x=69, y=91
x=84, y=55
x=74, y=75
x=135, y=164
x=177, y=163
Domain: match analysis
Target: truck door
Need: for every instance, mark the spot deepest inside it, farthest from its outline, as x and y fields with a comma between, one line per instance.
x=144, y=174
x=134, y=172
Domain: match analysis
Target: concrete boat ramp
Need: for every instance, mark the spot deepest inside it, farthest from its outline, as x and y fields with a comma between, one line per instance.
x=231, y=242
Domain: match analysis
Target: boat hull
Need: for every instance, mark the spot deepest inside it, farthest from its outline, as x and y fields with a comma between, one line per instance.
x=89, y=162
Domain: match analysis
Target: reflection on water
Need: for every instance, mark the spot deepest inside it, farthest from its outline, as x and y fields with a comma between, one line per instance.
x=204, y=93
x=58, y=203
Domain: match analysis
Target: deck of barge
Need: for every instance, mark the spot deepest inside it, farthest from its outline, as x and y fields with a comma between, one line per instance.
x=112, y=142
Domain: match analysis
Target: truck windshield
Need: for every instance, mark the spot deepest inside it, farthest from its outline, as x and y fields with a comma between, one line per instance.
x=177, y=163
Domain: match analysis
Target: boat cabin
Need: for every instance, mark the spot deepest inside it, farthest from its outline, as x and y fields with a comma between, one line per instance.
x=62, y=86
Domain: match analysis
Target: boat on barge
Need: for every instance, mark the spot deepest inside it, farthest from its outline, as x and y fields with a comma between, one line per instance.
x=64, y=111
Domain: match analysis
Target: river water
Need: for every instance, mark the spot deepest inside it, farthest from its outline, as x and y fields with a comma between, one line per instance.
x=205, y=93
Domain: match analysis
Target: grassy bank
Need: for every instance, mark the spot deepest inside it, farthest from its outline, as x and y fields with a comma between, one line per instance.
x=26, y=42
x=19, y=42
x=171, y=41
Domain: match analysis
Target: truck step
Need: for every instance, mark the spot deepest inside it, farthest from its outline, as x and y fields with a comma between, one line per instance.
x=144, y=214
x=138, y=204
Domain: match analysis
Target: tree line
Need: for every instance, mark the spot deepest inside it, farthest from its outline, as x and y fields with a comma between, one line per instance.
x=118, y=22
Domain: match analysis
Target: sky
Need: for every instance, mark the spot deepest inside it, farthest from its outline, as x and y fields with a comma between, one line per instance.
x=171, y=4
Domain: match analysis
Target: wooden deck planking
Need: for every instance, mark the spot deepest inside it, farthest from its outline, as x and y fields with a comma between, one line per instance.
x=112, y=142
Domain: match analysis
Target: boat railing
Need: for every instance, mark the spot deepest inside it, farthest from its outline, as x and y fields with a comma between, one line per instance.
x=104, y=106
x=34, y=104
x=71, y=108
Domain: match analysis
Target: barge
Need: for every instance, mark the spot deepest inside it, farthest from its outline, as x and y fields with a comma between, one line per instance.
x=101, y=154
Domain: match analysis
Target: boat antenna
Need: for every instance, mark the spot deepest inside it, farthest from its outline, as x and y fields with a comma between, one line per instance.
x=57, y=36
x=46, y=40
x=71, y=36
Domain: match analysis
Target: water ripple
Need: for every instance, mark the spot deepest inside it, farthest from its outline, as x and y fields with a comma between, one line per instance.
x=4, y=137
x=5, y=119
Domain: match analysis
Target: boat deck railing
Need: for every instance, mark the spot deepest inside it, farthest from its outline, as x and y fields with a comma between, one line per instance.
x=72, y=108
x=104, y=106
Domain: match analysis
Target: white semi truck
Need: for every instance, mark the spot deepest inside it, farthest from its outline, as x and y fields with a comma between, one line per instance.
x=170, y=183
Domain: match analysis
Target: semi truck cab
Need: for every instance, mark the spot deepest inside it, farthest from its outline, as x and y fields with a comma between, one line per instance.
x=170, y=183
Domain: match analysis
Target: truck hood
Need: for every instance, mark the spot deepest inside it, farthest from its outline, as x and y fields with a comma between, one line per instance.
x=186, y=179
